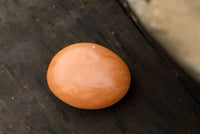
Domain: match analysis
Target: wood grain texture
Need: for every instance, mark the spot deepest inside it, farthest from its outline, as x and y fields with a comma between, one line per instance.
x=162, y=99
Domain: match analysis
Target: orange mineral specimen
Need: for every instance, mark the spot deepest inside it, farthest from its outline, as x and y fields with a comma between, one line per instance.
x=88, y=76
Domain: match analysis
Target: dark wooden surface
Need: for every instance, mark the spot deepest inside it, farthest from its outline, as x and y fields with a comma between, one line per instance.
x=162, y=99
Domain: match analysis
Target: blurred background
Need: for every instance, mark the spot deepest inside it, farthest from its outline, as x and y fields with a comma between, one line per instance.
x=175, y=24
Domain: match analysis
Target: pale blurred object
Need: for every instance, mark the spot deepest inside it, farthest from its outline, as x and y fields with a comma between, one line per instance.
x=176, y=25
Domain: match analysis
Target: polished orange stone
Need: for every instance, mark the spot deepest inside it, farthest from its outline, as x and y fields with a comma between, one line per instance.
x=88, y=76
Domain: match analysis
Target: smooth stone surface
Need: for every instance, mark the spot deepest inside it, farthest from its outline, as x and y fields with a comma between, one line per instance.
x=88, y=76
x=175, y=24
